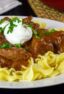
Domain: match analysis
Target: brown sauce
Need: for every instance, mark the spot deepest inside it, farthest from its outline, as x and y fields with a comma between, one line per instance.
x=15, y=57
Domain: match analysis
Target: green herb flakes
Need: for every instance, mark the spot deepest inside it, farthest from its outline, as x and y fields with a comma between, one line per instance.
x=30, y=26
x=50, y=31
x=35, y=33
x=12, y=25
x=5, y=45
x=1, y=21
x=18, y=45
x=1, y=29
x=16, y=19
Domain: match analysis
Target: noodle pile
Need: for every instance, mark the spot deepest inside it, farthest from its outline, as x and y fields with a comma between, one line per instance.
x=48, y=65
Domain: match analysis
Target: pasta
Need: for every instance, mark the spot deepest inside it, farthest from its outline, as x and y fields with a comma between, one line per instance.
x=48, y=65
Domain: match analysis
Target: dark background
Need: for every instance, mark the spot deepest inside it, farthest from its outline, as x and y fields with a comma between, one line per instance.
x=25, y=10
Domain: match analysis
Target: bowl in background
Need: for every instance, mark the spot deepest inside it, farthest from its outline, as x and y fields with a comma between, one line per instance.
x=57, y=4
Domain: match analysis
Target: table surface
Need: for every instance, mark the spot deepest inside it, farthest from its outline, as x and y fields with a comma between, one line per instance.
x=25, y=10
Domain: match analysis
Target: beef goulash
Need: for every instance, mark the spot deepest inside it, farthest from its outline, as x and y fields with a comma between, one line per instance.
x=15, y=53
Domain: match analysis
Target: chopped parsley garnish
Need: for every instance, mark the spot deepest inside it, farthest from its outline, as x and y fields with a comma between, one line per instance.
x=4, y=19
x=14, y=19
x=1, y=29
x=12, y=25
x=5, y=45
x=30, y=26
x=50, y=31
x=18, y=45
x=1, y=21
x=35, y=33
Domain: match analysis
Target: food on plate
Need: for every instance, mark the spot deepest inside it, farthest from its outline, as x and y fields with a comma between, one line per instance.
x=28, y=50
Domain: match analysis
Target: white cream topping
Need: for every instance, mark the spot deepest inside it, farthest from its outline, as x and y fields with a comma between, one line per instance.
x=19, y=35
x=4, y=24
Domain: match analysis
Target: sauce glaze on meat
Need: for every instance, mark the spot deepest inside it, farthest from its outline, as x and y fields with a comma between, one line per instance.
x=15, y=57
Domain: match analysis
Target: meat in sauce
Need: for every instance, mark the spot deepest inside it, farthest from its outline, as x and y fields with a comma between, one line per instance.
x=15, y=57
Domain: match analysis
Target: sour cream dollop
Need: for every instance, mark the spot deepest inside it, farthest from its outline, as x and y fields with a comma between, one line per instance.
x=19, y=35
x=4, y=24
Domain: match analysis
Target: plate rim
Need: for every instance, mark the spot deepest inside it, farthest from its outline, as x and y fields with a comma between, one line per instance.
x=34, y=84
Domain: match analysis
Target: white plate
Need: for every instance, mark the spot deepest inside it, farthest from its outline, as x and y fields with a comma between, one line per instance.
x=39, y=83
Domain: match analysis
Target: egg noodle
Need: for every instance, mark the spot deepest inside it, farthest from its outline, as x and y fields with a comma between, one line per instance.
x=44, y=66
x=48, y=65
